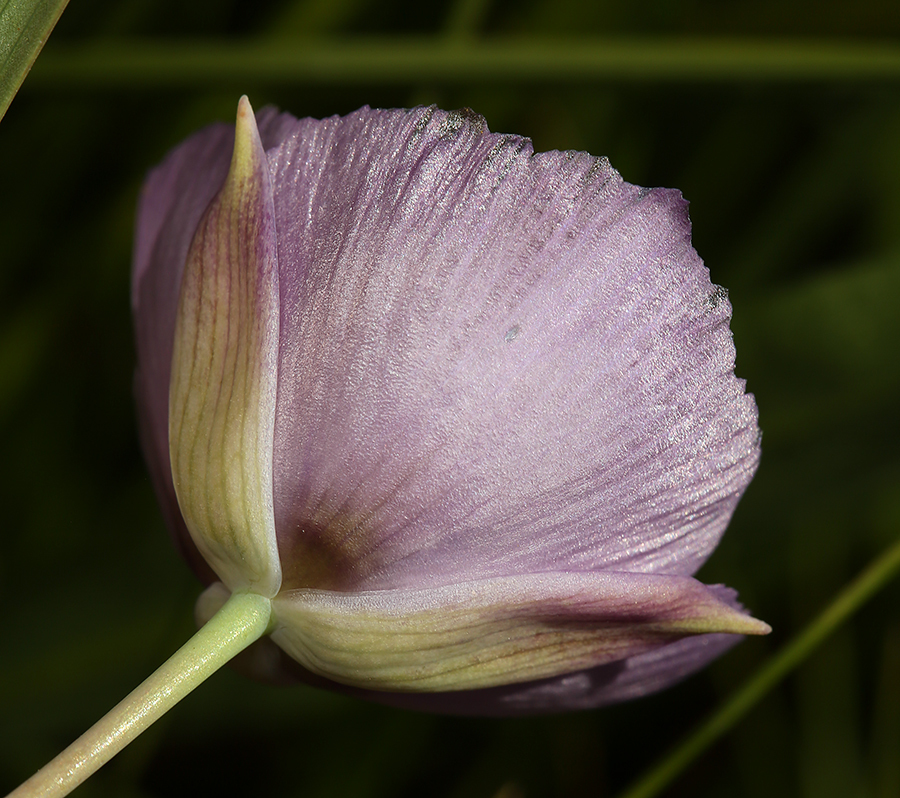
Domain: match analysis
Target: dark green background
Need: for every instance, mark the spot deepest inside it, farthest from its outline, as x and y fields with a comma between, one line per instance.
x=795, y=200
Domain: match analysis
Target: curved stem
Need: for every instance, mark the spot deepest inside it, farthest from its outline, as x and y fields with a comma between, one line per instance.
x=850, y=599
x=243, y=619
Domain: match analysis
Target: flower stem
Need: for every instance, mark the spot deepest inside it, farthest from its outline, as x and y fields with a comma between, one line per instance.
x=243, y=619
x=850, y=599
x=380, y=60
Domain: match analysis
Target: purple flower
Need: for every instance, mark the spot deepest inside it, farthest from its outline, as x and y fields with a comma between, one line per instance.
x=466, y=413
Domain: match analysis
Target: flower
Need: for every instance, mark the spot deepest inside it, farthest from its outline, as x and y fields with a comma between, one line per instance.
x=465, y=413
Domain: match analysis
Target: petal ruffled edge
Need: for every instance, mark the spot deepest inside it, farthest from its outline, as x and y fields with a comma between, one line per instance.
x=453, y=290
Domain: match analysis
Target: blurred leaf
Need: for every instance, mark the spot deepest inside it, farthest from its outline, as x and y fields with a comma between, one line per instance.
x=24, y=27
x=412, y=58
x=829, y=340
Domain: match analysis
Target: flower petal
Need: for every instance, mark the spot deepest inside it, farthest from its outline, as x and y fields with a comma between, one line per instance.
x=500, y=631
x=635, y=677
x=224, y=375
x=493, y=362
x=172, y=202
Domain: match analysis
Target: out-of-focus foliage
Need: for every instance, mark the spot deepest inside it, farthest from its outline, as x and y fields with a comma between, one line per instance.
x=795, y=192
x=24, y=27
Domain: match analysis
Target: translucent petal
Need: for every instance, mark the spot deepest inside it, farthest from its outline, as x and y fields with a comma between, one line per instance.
x=492, y=362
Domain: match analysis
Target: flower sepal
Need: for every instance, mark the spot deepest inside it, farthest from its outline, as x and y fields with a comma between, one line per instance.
x=488, y=632
x=224, y=375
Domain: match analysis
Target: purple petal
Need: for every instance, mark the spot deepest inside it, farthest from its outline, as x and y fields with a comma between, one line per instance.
x=623, y=680
x=493, y=362
x=635, y=677
x=173, y=199
x=491, y=632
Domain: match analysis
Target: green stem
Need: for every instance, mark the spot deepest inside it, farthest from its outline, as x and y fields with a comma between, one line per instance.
x=850, y=599
x=243, y=619
x=377, y=60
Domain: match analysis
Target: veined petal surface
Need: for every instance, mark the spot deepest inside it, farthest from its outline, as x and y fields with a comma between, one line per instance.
x=481, y=634
x=493, y=362
x=223, y=380
x=623, y=680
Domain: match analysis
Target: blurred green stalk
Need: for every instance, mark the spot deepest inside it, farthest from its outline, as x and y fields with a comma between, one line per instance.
x=129, y=63
x=850, y=599
x=24, y=27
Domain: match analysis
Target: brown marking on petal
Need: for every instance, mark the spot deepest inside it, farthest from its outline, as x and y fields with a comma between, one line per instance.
x=324, y=554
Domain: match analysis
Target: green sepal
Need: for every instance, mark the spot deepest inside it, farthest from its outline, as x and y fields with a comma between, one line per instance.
x=224, y=375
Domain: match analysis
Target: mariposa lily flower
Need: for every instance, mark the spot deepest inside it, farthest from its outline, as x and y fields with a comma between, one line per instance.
x=465, y=414
x=440, y=421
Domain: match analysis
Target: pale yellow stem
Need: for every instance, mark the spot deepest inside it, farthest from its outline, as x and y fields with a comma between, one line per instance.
x=243, y=619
